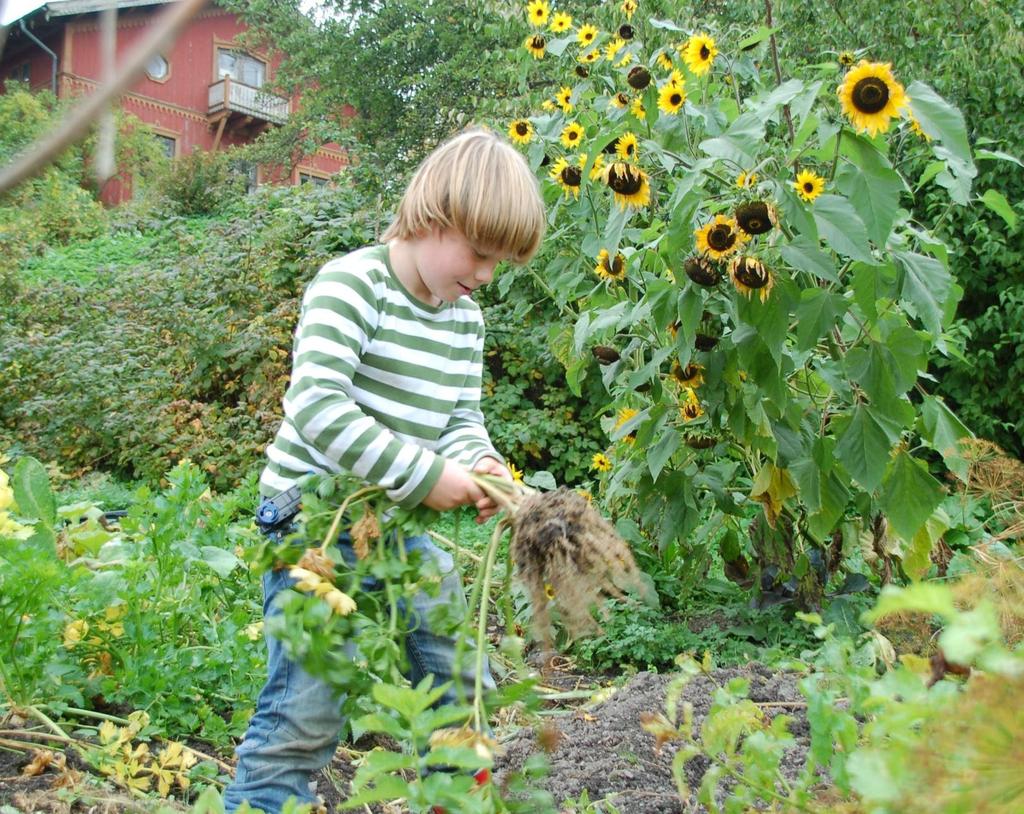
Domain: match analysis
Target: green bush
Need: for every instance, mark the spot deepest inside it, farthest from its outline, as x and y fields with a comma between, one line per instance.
x=200, y=183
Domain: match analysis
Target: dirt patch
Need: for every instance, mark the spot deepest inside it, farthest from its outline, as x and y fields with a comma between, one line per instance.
x=604, y=750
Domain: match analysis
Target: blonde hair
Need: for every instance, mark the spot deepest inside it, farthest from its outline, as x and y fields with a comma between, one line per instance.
x=480, y=185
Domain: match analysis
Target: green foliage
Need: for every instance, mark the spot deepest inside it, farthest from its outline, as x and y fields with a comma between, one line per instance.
x=200, y=183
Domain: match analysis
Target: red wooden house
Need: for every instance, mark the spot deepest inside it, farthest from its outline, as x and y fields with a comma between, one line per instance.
x=205, y=92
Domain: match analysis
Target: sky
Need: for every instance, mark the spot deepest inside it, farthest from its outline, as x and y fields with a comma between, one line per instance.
x=13, y=9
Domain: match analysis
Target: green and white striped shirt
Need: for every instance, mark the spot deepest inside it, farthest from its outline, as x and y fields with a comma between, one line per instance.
x=382, y=385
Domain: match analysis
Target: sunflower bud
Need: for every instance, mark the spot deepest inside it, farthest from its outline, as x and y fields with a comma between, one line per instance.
x=605, y=355
x=638, y=77
x=702, y=272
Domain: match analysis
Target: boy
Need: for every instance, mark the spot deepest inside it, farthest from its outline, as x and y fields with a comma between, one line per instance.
x=385, y=384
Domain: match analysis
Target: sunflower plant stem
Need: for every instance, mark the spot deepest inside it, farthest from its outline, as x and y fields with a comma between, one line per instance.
x=773, y=43
x=835, y=156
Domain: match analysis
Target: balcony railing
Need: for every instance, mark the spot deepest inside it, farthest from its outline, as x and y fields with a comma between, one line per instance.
x=234, y=97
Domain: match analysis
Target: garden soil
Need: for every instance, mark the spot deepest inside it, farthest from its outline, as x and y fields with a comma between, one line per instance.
x=599, y=748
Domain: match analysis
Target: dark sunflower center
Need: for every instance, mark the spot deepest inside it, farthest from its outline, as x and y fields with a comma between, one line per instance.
x=582, y=72
x=572, y=135
x=522, y=128
x=622, y=99
x=572, y=176
x=615, y=268
x=629, y=149
x=588, y=36
x=870, y=94
x=705, y=54
x=639, y=77
x=721, y=238
x=675, y=99
x=624, y=180
x=752, y=274
x=808, y=187
x=687, y=373
x=626, y=32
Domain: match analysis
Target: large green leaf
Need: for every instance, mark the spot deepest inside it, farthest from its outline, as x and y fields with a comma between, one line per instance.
x=842, y=228
x=875, y=196
x=816, y=315
x=997, y=202
x=864, y=446
x=909, y=495
x=926, y=285
x=804, y=254
x=766, y=107
x=32, y=491
x=740, y=143
x=948, y=131
x=942, y=430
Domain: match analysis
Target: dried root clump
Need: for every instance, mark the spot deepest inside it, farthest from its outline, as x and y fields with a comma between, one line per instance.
x=567, y=553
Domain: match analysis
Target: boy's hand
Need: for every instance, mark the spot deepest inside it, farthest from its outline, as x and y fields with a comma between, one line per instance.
x=453, y=488
x=486, y=507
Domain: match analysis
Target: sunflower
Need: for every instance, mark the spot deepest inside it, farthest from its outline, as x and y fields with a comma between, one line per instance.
x=745, y=180
x=560, y=22
x=586, y=34
x=871, y=97
x=702, y=271
x=614, y=270
x=756, y=217
x=719, y=238
x=600, y=462
x=515, y=472
x=548, y=105
x=536, y=45
x=612, y=49
x=671, y=98
x=847, y=58
x=571, y=135
x=690, y=376
x=748, y=275
x=626, y=31
x=691, y=409
x=582, y=71
x=626, y=147
x=664, y=60
x=590, y=56
x=564, y=99
x=598, y=169
x=629, y=183
x=638, y=110
x=638, y=77
x=567, y=176
x=625, y=414
x=537, y=12
x=808, y=185
x=626, y=59
x=698, y=54
x=521, y=131
x=915, y=126
x=628, y=7
x=619, y=100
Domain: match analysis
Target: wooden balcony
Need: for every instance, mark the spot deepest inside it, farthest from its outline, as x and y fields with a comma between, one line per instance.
x=229, y=96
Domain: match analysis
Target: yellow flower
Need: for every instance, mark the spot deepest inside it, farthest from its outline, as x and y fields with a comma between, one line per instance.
x=915, y=126
x=537, y=12
x=598, y=169
x=586, y=34
x=756, y=217
x=619, y=100
x=808, y=185
x=626, y=147
x=600, y=462
x=521, y=131
x=547, y=104
x=572, y=133
x=613, y=270
x=549, y=590
x=871, y=97
x=590, y=56
x=745, y=180
x=671, y=98
x=698, y=54
x=12, y=529
x=612, y=49
x=629, y=183
x=690, y=377
x=536, y=45
x=516, y=472
x=691, y=409
x=560, y=22
x=664, y=60
x=339, y=602
x=567, y=176
x=564, y=99
x=626, y=59
x=628, y=7
x=637, y=109
x=306, y=580
x=719, y=237
x=6, y=492
x=626, y=414
x=847, y=58
x=748, y=275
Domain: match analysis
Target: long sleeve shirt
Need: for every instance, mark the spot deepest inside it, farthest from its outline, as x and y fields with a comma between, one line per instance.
x=382, y=385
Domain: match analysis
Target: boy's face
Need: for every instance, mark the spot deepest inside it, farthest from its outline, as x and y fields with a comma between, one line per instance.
x=449, y=267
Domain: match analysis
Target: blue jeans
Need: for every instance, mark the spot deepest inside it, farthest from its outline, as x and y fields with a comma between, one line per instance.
x=297, y=724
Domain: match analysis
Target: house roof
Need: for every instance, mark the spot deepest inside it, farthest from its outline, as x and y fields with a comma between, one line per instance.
x=67, y=8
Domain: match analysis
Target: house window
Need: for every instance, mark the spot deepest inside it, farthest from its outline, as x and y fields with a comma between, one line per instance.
x=158, y=68
x=241, y=68
x=22, y=73
x=168, y=144
x=315, y=180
